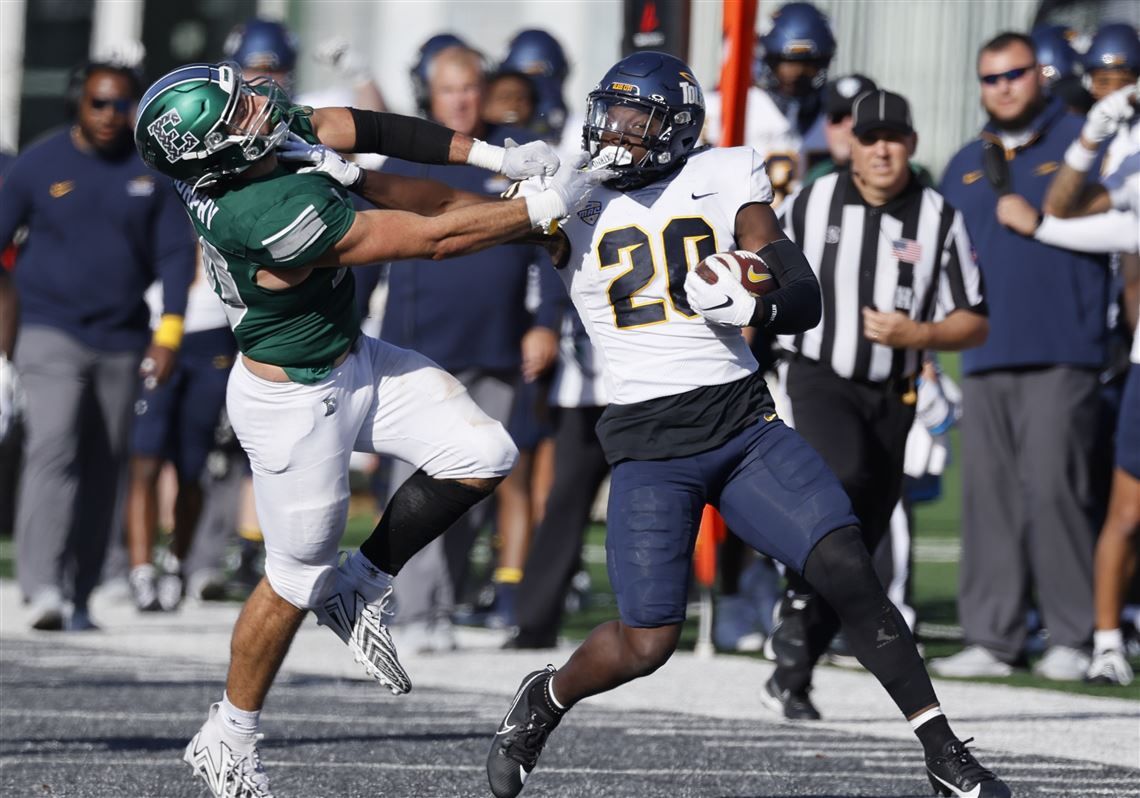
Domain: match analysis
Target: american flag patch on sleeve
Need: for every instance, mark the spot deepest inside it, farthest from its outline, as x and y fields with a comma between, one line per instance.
x=907, y=250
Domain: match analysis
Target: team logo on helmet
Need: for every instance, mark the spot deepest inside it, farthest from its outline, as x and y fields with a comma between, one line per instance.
x=165, y=132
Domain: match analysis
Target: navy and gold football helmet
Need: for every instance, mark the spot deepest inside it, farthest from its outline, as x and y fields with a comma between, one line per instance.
x=643, y=118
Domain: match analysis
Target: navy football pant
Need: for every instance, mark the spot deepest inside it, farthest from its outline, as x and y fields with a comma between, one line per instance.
x=774, y=491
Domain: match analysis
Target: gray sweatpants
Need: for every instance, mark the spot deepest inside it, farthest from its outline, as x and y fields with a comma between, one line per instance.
x=78, y=414
x=1027, y=442
x=427, y=584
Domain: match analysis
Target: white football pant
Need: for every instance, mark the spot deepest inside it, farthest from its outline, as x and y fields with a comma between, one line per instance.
x=382, y=399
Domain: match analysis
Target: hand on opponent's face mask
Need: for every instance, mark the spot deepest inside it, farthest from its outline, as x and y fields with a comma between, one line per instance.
x=322, y=159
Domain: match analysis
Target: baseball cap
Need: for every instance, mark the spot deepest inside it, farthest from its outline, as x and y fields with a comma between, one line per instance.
x=841, y=93
x=881, y=109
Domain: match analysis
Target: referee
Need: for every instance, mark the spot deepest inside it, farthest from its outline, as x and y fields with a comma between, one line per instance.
x=895, y=267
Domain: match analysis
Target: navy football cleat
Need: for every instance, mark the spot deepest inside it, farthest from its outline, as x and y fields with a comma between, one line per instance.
x=520, y=738
x=954, y=773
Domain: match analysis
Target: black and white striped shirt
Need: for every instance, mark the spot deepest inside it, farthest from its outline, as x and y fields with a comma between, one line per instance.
x=912, y=254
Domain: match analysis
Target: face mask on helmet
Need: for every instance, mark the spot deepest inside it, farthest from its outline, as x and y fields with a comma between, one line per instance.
x=203, y=122
x=634, y=138
x=256, y=121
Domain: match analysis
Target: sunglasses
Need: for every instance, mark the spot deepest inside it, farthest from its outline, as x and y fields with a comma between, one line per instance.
x=1011, y=75
x=120, y=106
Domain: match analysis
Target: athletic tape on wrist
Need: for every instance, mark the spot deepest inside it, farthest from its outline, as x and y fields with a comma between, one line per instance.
x=545, y=205
x=1079, y=158
x=486, y=156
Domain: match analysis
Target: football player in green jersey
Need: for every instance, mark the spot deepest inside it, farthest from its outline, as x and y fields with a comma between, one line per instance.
x=309, y=389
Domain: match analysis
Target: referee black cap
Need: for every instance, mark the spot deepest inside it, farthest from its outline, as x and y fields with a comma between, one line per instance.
x=881, y=109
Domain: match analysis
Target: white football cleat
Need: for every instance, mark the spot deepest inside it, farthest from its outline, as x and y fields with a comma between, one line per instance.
x=231, y=767
x=1110, y=667
x=355, y=612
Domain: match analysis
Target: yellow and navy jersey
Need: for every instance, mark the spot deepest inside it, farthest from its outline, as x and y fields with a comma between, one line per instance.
x=629, y=254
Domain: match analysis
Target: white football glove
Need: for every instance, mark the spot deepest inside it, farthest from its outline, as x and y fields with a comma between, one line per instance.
x=566, y=192
x=338, y=54
x=527, y=160
x=724, y=302
x=323, y=159
x=1107, y=115
x=11, y=396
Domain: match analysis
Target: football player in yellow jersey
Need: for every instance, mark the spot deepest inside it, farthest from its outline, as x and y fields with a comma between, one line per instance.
x=691, y=421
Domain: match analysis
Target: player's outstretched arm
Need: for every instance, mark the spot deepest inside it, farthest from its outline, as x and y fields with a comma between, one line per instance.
x=418, y=195
x=1069, y=193
x=421, y=141
x=796, y=305
x=377, y=236
x=386, y=191
x=398, y=235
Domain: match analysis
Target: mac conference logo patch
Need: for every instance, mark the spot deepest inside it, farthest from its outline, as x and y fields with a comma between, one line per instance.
x=591, y=212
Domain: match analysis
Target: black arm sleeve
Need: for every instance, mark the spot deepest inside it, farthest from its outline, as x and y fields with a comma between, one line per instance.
x=405, y=137
x=796, y=305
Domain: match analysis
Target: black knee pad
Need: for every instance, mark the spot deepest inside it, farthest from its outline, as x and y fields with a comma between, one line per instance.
x=841, y=571
x=840, y=566
x=420, y=511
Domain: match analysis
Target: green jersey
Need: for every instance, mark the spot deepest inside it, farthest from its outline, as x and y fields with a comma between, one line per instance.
x=280, y=221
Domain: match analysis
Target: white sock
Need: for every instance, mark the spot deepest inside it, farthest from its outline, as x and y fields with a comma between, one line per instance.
x=925, y=717
x=550, y=692
x=1107, y=640
x=241, y=722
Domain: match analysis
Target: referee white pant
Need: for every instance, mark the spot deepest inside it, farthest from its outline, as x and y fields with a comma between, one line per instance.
x=382, y=399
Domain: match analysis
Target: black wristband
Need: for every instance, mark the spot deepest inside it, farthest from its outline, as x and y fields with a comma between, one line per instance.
x=398, y=136
x=764, y=313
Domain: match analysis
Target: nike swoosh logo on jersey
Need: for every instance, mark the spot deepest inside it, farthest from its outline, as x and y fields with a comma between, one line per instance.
x=702, y=196
x=726, y=303
x=756, y=277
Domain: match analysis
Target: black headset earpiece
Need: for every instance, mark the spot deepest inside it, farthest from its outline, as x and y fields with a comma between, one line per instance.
x=76, y=80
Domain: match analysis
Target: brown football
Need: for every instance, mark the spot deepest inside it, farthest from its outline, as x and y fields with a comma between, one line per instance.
x=748, y=267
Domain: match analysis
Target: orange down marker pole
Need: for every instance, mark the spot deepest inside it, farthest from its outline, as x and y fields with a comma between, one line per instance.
x=736, y=74
x=712, y=534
